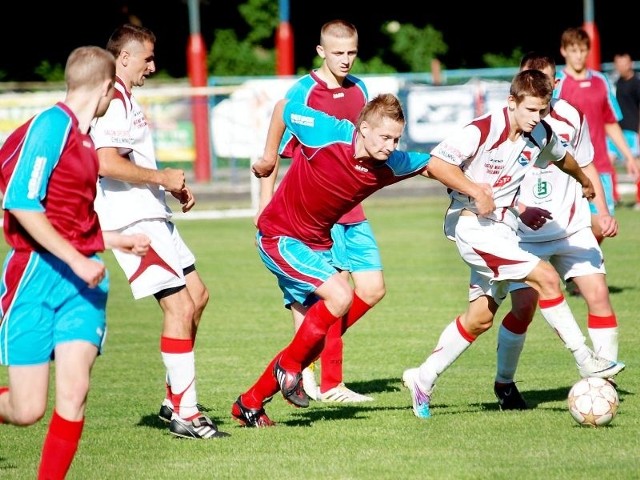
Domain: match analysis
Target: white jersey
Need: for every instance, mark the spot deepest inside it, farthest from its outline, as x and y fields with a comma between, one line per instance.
x=552, y=189
x=484, y=152
x=125, y=127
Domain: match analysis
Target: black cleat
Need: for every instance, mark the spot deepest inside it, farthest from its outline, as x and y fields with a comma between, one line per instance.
x=199, y=427
x=291, y=386
x=509, y=398
x=250, y=417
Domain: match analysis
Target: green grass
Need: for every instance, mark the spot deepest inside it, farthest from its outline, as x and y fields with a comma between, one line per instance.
x=245, y=325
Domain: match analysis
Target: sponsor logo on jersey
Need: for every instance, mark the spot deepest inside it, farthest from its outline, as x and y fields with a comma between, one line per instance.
x=360, y=168
x=502, y=181
x=302, y=120
x=338, y=95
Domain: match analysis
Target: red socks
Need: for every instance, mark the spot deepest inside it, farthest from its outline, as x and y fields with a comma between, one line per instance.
x=59, y=448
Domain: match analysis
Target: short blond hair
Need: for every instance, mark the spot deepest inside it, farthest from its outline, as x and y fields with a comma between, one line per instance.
x=88, y=66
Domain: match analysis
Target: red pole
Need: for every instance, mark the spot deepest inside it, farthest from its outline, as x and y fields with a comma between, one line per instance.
x=284, y=41
x=593, y=59
x=197, y=70
x=284, y=49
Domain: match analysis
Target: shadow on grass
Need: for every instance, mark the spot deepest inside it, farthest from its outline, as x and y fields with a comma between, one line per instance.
x=539, y=397
x=152, y=420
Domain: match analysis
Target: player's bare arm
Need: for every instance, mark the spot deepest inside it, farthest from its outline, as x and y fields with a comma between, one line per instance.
x=569, y=166
x=137, y=244
x=39, y=227
x=614, y=132
x=116, y=166
x=266, y=164
x=608, y=224
x=453, y=177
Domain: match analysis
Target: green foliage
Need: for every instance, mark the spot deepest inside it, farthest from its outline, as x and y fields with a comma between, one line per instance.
x=49, y=72
x=497, y=60
x=262, y=16
x=230, y=56
x=416, y=47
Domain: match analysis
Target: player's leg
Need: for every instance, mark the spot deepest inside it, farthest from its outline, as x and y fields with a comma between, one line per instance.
x=74, y=361
x=358, y=252
x=24, y=401
x=511, y=337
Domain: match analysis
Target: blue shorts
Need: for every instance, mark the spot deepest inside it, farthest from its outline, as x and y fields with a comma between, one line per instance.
x=607, y=186
x=633, y=142
x=354, y=248
x=43, y=304
x=299, y=269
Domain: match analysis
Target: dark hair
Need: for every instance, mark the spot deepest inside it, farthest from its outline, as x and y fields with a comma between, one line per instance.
x=537, y=61
x=575, y=36
x=531, y=83
x=127, y=33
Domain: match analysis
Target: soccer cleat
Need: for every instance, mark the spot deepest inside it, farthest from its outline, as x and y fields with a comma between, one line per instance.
x=291, y=386
x=509, y=398
x=419, y=397
x=200, y=427
x=165, y=413
x=250, y=417
x=343, y=394
x=596, y=366
x=309, y=382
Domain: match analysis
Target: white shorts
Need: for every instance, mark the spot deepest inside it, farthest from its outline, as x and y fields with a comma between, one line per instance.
x=163, y=266
x=492, y=251
x=575, y=256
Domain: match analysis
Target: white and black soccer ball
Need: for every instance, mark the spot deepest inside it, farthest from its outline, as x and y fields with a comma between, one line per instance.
x=593, y=402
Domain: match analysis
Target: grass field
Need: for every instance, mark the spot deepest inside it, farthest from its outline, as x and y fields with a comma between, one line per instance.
x=245, y=325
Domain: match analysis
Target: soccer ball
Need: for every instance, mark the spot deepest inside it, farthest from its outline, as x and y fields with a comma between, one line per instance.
x=593, y=402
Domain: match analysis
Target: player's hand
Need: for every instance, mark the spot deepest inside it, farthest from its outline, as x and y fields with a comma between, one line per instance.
x=633, y=169
x=89, y=270
x=186, y=198
x=535, y=217
x=263, y=167
x=608, y=225
x=588, y=192
x=173, y=179
x=484, y=200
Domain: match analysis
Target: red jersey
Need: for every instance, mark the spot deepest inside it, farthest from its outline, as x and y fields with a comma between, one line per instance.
x=48, y=165
x=595, y=98
x=344, y=102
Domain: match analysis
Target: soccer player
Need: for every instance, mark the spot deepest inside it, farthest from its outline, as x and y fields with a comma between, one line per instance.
x=628, y=96
x=333, y=90
x=483, y=165
x=566, y=240
x=590, y=92
x=131, y=199
x=335, y=167
x=54, y=285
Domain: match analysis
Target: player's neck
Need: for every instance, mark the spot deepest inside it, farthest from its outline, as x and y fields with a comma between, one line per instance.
x=328, y=77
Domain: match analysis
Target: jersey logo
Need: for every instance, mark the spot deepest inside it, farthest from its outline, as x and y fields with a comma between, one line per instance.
x=362, y=169
x=338, y=95
x=302, y=120
x=502, y=181
x=542, y=189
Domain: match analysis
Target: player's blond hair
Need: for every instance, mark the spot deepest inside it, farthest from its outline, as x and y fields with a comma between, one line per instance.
x=88, y=67
x=338, y=28
x=384, y=105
